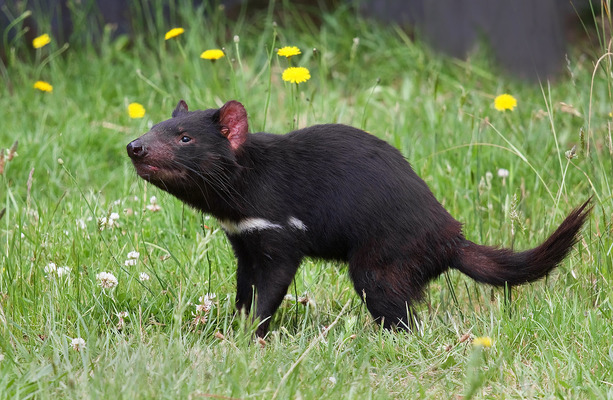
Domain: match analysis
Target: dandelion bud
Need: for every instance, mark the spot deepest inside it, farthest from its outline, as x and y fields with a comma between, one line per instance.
x=236, y=39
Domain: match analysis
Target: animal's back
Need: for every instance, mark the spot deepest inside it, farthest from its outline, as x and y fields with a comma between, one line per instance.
x=352, y=187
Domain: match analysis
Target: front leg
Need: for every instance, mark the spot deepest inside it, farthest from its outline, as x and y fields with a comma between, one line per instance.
x=245, y=275
x=245, y=283
x=272, y=282
x=266, y=263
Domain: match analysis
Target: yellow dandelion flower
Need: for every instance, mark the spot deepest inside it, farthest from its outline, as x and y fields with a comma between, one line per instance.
x=296, y=75
x=136, y=110
x=213, y=54
x=505, y=102
x=483, y=341
x=288, y=51
x=43, y=86
x=174, y=32
x=41, y=41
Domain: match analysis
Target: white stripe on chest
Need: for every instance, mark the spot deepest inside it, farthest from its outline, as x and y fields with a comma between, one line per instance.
x=296, y=223
x=249, y=225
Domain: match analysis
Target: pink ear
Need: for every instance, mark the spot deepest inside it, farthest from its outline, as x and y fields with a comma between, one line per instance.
x=180, y=109
x=233, y=121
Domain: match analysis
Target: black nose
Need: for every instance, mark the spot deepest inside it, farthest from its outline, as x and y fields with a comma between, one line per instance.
x=136, y=149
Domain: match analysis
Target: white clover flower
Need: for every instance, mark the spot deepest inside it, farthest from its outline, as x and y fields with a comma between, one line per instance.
x=110, y=222
x=207, y=298
x=130, y=262
x=206, y=303
x=143, y=277
x=104, y=223
x=78, y=344
x=132, y=259
x=53, y=270
x=122, y=314
x=503, y=173
x=153, y=205
x=106, y=280
x=50, y=268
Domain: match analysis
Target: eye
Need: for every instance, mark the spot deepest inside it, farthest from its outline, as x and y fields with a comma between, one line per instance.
x=185, y=139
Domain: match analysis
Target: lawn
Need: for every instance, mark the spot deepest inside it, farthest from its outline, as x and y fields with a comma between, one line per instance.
x=74, y=211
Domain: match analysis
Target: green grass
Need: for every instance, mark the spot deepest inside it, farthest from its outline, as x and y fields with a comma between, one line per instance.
x=553, y=340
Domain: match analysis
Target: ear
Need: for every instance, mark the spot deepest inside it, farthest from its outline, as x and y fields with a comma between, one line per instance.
x=180, y=109
x=233, y=123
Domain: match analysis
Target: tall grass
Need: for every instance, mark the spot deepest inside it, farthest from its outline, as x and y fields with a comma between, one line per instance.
x=71, y=174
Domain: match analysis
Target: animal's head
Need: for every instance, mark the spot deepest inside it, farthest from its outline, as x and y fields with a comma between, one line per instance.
x=191, y=149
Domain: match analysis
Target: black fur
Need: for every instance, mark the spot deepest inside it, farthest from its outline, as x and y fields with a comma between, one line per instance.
x=358, y=198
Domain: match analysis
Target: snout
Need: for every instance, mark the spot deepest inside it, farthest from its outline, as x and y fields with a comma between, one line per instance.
x=136, y=149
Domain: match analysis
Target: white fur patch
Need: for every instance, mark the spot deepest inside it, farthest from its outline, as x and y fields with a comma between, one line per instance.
x=296, y=223
x=248, y=225
x=258, y=224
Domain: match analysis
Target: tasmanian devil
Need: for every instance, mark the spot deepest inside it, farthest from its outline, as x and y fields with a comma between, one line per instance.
x=332, y=192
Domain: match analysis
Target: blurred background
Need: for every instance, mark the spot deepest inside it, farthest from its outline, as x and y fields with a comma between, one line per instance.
x=527, y=38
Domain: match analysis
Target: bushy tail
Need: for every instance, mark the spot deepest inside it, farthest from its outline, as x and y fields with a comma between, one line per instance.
x=503, y=266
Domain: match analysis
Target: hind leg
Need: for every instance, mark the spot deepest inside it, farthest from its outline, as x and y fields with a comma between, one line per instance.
x=389, y=292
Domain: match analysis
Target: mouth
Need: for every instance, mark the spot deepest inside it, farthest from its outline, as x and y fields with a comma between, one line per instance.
x=156, y=173
x=147, y=168
x=143, y=168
